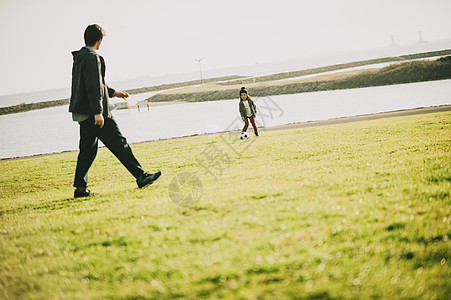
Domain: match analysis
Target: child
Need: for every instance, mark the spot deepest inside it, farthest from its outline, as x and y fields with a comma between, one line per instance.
x=247, y=110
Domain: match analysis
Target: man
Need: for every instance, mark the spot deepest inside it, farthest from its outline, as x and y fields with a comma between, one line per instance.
x=89, y=106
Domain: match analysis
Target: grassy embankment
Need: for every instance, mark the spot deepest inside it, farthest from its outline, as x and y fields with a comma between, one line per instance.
x=218, y=89
x=356, y=210
x=46, y=104
x=406, y=72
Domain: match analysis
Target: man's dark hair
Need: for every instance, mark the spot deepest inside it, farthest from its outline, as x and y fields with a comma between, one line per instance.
x=93, y=33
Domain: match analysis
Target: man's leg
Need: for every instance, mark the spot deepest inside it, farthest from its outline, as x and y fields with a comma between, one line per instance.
x=88, y=151
x=254, y=125
x=111, y=136
x=246, y=125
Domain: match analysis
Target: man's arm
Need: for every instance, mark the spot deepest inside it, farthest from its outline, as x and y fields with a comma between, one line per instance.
x=111, y=92
x=123, y=95
x=98, y=118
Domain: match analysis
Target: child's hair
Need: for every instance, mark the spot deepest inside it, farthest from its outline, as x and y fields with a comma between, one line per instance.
x=93, y=33
x=243, y=90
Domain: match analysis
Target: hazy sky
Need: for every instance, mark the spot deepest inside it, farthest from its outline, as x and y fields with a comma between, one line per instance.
x=163, y=37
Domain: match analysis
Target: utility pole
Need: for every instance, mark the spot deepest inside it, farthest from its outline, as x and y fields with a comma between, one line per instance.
x=200, y=69
x=420, y=38
x=393, y=44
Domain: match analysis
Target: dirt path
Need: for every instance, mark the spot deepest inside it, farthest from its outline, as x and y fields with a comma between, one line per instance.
x=392, y=114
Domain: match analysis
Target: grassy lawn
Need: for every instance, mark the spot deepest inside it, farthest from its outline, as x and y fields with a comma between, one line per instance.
x=356, y=210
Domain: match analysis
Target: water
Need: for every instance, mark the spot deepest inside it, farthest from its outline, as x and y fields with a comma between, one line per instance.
x=52, y=130
x=34, y=97
x=257, y=69
x=58, y=94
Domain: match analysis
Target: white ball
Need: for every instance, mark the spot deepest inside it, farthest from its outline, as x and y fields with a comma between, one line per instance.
x=244, y=135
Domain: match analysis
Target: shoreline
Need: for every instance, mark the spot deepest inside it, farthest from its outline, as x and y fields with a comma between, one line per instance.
x=394, y=74
x=154, y=104
x=273, y=84
x=333, y=121
x=366, y=117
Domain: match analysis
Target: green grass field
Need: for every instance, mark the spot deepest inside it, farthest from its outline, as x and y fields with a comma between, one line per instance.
x=349, y=211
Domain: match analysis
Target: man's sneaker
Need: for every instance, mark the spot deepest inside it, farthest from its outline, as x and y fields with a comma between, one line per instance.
x=82, y=192
x=147, y=179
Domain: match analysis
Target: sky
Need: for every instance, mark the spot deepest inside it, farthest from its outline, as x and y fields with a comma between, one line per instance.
x=159, y=37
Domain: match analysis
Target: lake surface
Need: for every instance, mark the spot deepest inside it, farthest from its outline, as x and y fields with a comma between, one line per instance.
x=52, y=130
x=257, y=69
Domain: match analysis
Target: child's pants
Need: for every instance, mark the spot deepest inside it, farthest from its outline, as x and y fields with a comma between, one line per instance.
x=246, y=125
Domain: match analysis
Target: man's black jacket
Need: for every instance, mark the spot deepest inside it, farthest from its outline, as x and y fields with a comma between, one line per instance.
x=90, y=93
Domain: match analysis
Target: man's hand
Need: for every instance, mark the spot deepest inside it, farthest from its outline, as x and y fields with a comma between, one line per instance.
x=98, y=120
x=123, y=95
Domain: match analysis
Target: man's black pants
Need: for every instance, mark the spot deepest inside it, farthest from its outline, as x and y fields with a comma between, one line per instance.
x=111, y=136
